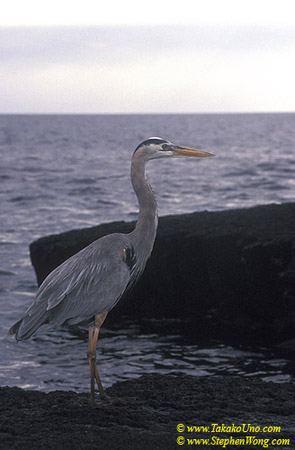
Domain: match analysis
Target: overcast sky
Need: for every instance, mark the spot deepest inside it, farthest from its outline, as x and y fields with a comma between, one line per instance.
x=200, y=56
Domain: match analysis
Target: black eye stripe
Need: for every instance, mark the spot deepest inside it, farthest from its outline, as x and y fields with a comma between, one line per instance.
x=149, y=142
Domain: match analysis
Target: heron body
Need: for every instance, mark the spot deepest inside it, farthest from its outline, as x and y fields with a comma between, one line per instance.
x=85, y=287
x=86, y=284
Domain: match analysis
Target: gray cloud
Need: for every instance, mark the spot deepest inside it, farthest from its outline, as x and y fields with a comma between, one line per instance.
x=79, y=44
x=160, y=68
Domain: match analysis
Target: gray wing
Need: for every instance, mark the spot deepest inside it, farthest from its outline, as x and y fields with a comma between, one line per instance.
x=90, y=282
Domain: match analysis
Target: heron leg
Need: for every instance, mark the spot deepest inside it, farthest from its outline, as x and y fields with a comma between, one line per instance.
x=91, y=355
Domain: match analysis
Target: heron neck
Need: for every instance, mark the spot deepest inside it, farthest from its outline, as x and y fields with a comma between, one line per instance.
x=145, y=231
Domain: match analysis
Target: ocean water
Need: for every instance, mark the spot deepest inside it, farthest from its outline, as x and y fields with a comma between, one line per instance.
x=63, y=172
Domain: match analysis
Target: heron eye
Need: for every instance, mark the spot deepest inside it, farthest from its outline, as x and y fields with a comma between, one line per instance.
x=165, y=146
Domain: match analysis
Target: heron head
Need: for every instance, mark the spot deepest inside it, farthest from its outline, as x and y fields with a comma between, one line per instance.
x=156, y=147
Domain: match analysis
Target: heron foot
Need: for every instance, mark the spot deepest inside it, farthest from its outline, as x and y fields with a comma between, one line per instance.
x=106, y=401
x=103, y=400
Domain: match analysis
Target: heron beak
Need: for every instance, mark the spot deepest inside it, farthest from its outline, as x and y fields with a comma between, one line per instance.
x=187, y=151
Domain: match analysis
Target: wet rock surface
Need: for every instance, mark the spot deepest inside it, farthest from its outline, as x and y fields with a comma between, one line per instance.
x=155, y=405
x=225, y=274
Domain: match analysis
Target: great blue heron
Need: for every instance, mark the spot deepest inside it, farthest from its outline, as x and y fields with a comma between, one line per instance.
x=85, y=287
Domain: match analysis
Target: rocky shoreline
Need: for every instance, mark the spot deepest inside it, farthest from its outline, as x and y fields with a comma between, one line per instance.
x=155, y=405
x=225, y=274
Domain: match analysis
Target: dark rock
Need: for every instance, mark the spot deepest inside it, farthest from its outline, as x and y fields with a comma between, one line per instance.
x=227, y=274
x=155, y=405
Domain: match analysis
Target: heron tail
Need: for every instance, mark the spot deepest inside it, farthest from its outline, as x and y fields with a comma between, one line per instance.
x=15, y=327
x=36, y=316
